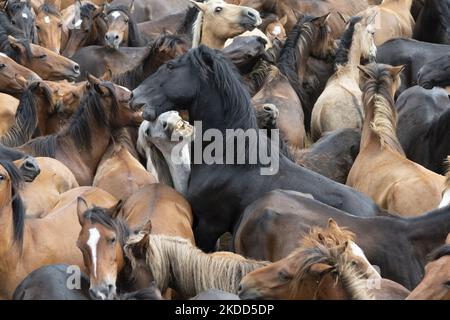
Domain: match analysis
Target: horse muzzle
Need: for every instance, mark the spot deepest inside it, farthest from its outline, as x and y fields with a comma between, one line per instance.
x=30, y=169
x=103, y=292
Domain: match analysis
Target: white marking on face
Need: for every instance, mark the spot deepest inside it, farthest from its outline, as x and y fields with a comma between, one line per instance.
x=276, y=30
x=115, y=14
x=445, y=199
x=3, y=55
x=92, y=242
x=47, y=19
x=24, y=15
x=78, y=23
x=357, y=251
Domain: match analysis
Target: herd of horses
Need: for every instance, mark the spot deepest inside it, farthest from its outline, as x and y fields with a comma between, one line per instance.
x=98, y=181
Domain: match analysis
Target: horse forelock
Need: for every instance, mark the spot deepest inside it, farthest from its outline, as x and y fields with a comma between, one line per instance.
x=197, y=30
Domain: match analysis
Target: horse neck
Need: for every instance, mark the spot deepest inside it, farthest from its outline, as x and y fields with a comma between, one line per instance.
x=354, y=57
x=304, y=49
x=6, y=226
x=208, y=39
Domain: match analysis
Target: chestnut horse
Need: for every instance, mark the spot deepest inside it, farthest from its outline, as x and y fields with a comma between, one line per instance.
x=381, y=169
x=340, y=106
x=28, y=243
x=81, y=145
x=10, y=71
x=7, y=112
x=49, y=27
x=326, y=265
x=436, y=283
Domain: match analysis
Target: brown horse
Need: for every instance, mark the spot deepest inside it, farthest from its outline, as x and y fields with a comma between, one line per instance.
x=393, y=20
x=27, y=243
x=46, y=63
x=119, y=172
x=218, y=21
x=81, y=145
x=436, y=282
x=7, y=112
x=326, y=265
x=275, y=29
x=381, y=169
x=10, y=71
x=339, y=105
x=49, y=27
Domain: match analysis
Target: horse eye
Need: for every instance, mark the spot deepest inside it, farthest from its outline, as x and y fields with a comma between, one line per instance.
x=38, y=28
x=2, y=65
x=218, y=9
x=112, y=240
x=13, y=22
x=59, y=25
x=126, y=20
x=447, y=284
x=42, y=57
x=2, y=177
x=283, y=276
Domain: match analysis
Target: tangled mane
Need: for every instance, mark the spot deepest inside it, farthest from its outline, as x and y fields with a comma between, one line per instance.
x=175, y=262
x=346, y=43
x=121, y=139
x=377, y=100
x=134, y=38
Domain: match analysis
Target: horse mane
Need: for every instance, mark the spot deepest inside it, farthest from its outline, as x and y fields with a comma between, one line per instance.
x=134, y=38
x=197, y=30
x=18, y=208
x=175, y=262
x=440, y=252
x=443, y=13
x=256, y=78
x=133, y=78
x=49, y=9
x=185, y=27
x=327, y=249
x=121, y=139
x=26, y=120
x=377, y=97
x=346, y=43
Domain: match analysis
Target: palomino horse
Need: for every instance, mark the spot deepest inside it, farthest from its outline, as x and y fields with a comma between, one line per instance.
x=119, y=172
x=46, y=63
x=381, y=169
x=339, y=105
x=49, y=27
x=225, y=104
x=121, y=27
x=433, y=22
x=10, y=71
x=170, y=134
x=23, y=17
x=82, y=143
x=41, y=195
x=28, y=243
x=218, y=21
x=170, y=214
x=326, y=265
x=393, y=20
x=436, y=282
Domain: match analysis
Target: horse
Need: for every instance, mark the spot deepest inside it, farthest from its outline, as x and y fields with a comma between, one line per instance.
x=435, y=284
x=381, y=169
x=218, y=21
x=170, y=215
x=340, y=106
x=435, y=73
x=326, y=265
x=393, y=20
x=275, y=28
x=49, y=27
x=411, y=53
x=397, y=245
x=23, y=17
x=10, y=71
x=121, y=27
x=433, y=22
x=119, y=172
x=423, y=117
x=8, y=112
x=165, y=134
x=154, y=28
x=207, y=85
x=28, y=167
x=29, y=243
x=82, y=143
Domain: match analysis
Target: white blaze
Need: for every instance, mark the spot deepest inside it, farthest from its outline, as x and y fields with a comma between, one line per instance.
x=115, y=14
x=78, y=23
x=92, y=242
x=24, y=15
x=276, y=30
x=47, y=19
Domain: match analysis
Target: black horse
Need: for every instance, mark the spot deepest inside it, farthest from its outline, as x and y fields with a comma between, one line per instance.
x=433, y=22
x=424, y=126
x=411, y=53
x=22, y=16
x=398, y=246
x=435, y=73
x=207, y=85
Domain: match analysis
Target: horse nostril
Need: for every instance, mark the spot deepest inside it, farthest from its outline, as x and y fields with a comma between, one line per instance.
x=131, y=95
x=240, y=288
x=76, y=68
x=251, y=15
x=147, y=132
x=110, y=287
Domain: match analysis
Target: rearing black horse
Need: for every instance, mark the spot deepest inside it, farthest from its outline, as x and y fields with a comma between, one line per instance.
x=207, y=85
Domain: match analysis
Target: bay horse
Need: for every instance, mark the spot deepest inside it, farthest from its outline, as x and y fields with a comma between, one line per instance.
x=433, y=22
x=121, y=27
x=381, y=169
x=340, y=106
x=274, y=28
x=435, y=73
x=397, y=245
x=423, y=117
x=215, y=96
x=435, y=284
x=29, y=243
x=82, y=143
x=8, y=112
x=49, y=27
x=326, y=265
x=28, y=167
x=10, y=74
x=218, y=21
x=393, y=20
x=23, y=17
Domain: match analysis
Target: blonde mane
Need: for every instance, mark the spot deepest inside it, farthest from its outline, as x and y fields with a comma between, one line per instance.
x=174, y=262
x=197, y=30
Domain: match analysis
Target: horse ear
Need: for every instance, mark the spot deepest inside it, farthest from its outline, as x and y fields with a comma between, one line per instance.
x=344, y=17
x=131, y=7
x=13, y=43
x=320, y=268
x=344, y=247
x=115, y=210
x=199, y=5
x=107, y=76
x=147, y=228
x=323, y=19
x=332, y=224
x=370, y=19
x=321, y=237
x=395, y=71
x=284, y=20
x=82, y=207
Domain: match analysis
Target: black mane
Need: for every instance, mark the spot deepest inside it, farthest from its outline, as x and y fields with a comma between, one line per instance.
x=185, y=27
x=439, y=253
x=49, y=9
x=134, y=38
x=346, y=43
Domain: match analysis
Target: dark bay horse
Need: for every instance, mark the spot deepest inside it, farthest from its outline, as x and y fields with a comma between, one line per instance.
x=435, y=73
x=271, y=227
x=433, y=22
x=207, y=85
x=23, y=17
